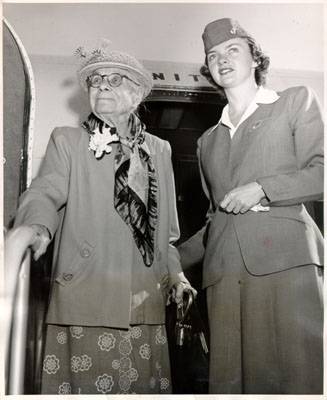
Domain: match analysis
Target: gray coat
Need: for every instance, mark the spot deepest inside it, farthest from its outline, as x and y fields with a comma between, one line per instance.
x=73, y=198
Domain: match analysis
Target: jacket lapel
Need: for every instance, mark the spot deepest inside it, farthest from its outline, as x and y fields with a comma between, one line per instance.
x=245, y=138
x=215, y=157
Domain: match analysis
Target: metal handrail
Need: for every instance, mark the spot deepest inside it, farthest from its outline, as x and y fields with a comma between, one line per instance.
x=17, y=259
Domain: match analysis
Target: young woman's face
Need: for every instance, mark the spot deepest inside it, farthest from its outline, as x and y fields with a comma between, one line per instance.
x=231, y=63
x=107, y=100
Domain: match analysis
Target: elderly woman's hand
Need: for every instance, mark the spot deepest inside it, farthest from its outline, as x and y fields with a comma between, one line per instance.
x=41, y=240
x=178, y=290
x=35, y=236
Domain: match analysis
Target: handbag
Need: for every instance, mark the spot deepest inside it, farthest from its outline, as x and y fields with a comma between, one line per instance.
x=188, y=345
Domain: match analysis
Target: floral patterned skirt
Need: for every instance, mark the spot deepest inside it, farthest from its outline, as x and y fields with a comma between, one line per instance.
x=95, y=360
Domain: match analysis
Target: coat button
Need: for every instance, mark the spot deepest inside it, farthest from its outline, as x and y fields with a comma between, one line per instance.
x=67, y=277
x=85, y=253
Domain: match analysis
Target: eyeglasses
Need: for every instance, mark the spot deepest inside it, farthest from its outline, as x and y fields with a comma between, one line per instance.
x=114, y=80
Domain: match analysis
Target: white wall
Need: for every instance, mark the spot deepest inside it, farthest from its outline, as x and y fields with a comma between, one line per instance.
x=292, y=34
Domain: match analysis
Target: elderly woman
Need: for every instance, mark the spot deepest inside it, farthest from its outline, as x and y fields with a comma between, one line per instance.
x=263, y=253
x=105, y=193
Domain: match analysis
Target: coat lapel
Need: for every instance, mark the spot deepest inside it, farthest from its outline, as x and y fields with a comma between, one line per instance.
x=215, y=157
x=224, y=160
x=245, y=137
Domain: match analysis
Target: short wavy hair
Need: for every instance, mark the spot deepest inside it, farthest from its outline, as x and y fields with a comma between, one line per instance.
x=258, y=56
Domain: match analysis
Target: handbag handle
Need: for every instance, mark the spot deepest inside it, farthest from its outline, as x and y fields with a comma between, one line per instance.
x=184, y=308
x=182, y=328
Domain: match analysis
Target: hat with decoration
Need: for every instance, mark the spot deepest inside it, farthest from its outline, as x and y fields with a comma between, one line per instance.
x=103, y=57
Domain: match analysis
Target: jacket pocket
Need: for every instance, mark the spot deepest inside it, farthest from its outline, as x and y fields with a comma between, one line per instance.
x=293, y=213
x=78, y=266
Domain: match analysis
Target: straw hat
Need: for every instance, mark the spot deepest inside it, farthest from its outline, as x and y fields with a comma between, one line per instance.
x=101, y=58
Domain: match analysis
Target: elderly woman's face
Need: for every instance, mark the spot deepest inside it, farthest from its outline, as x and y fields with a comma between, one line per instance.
x=116, y=92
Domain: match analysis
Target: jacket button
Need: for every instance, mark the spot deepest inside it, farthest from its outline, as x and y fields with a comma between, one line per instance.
x=85, y=253
x=67, y=277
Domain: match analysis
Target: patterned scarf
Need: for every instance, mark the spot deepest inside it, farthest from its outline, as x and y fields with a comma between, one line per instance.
x=135, y=192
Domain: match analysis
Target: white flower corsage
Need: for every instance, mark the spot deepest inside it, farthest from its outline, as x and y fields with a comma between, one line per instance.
x=100, y=142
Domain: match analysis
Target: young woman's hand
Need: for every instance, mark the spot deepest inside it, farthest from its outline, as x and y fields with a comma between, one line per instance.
x=243, y=198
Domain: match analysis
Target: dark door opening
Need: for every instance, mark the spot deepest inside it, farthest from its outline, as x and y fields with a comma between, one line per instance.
x=181, y=124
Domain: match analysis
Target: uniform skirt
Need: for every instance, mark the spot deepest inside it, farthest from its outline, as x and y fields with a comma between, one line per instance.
x=266, y=332
x=95, y=360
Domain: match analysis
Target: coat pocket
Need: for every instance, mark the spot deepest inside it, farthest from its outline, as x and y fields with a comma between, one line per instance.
x=295, y=213
x=78, y=266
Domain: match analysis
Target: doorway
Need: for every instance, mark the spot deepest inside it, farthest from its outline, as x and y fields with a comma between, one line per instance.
x=181, y=123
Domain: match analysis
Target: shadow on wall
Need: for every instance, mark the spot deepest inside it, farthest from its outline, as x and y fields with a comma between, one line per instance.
x=78, y=102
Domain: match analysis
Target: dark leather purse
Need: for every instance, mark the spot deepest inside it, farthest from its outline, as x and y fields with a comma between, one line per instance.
x=189, y=352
